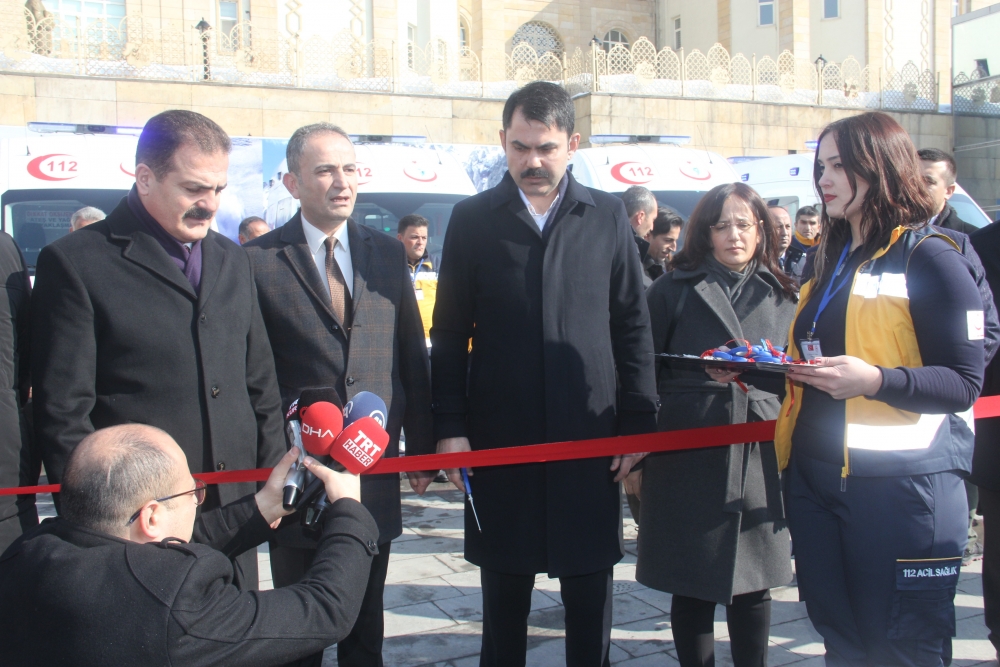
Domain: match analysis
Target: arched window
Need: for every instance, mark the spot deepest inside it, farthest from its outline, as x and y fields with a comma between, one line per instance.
x=541, y=36
x=612, y=37
x=464, y=34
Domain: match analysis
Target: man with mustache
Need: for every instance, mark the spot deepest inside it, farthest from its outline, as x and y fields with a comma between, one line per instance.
x=543, y=276
x=150, y=317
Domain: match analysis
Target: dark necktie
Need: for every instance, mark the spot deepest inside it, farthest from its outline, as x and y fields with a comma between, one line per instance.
x=340, y=297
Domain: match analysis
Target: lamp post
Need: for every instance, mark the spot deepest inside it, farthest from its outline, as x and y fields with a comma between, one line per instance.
x=205, y=30
x=820, y=64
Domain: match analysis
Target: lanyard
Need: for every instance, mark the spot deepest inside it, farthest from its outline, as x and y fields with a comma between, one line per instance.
x=830, y=290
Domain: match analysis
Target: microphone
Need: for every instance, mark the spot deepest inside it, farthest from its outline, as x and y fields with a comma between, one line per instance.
x=295, y=480
x=357, y=449
x=365, y=404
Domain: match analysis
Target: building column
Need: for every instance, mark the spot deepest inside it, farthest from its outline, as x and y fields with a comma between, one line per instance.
x=724, y=30
x=794, y=27
x=385, y=25
x=941, y=60
x=874, y=37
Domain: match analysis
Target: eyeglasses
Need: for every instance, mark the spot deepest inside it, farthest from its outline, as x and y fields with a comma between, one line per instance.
x=199, y=498
x=741, y=227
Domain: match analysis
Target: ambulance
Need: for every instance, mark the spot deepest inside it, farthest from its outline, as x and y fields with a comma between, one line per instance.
x=787, y=181
x=50, y=170
x=677, y=176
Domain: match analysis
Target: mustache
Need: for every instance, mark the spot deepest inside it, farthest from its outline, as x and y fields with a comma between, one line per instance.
x=536, y=172
x=198, y=213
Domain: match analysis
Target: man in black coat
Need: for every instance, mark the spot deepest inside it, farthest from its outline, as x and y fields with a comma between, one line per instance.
x=986, y=456
x=543, y=276
x=150, y=317
x=19, y=462
x=341, y=312
x=939, y=171
x=127, y=575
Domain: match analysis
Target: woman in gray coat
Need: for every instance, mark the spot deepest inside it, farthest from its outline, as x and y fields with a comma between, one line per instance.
x=712, y=529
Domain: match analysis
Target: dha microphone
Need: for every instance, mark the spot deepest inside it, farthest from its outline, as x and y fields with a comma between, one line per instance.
x=357, y=448
x=306, y=440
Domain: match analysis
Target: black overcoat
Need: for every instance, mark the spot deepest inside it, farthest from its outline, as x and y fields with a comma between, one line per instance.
x=986, y=456
x=118, y=335
x=384, y=353
x=115, y=602
x=554, y=320
x=18, y=460
x=713, y=523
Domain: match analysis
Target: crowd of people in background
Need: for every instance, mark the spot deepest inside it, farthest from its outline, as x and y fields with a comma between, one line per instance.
x=152, y=348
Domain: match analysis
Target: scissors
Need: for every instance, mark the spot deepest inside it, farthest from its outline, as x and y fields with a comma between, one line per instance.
x=468, y=492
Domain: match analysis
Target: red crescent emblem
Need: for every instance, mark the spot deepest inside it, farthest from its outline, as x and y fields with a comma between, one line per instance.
x=125, y=170
x=694, y=171
x=55, y=167
x=632, y=173
x=418, y=173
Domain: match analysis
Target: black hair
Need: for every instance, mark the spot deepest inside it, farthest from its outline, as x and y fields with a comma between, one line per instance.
x=806, y=212
x=166, y=132
x=412, y=220
x=543, y=102
x=937, y=155
x=297, y=142
x=666, y=220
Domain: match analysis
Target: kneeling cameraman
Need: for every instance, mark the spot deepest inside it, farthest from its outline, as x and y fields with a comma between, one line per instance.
x=129, y=576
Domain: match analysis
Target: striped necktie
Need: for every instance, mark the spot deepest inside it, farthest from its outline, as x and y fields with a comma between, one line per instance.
x=340, y=297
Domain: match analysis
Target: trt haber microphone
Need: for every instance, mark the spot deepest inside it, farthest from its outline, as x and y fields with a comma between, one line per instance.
x=360, y=445
x=365, y=404
x=298, y=477
x=357, y=448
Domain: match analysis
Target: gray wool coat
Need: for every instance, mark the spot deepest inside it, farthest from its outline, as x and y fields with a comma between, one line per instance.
x=713, y=525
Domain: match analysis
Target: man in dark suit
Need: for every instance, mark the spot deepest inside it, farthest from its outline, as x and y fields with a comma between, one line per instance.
x=128, y=576
x=19, y=462
x=986, y=456
x=150, y=317
x=340, y=312
x=543, y=275
x=939, y=171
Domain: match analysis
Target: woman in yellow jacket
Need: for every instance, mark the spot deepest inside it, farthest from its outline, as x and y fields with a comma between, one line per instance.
x=877, y=432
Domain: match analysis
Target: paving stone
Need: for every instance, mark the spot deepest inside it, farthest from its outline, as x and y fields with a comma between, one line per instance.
x=416, y=568
x=457, y=642
x=428, y=545
x=628, y=608
x=457, y=562
x=972, y=644
x=798, y=637
x=658, y=599
x=644, y=637
x=469, y=582
x=415, y=618
x=420, y=590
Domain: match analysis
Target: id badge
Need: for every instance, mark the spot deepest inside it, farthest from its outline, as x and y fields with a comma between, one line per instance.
x=420, y=294
x=811, y=351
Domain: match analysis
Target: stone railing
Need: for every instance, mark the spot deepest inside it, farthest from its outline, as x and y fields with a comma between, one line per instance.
x=978, y=94
x=135, y=48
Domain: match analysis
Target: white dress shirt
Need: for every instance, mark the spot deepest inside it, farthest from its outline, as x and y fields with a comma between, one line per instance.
x=316, y=240
x=540, y=218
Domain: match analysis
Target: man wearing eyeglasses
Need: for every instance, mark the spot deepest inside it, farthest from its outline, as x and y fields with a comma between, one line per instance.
x=127, y=575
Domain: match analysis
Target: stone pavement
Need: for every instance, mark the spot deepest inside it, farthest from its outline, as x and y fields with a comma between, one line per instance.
x=434, y=605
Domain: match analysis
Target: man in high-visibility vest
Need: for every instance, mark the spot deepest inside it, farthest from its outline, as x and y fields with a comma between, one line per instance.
x=412, y=231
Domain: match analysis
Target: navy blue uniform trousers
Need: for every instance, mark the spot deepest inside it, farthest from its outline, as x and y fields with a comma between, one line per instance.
x=849, y=534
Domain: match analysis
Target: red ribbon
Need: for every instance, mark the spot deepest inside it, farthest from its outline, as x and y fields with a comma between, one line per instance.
x=668, y=441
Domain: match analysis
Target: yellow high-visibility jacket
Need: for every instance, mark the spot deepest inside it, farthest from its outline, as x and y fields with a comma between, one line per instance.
x=880, y=440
